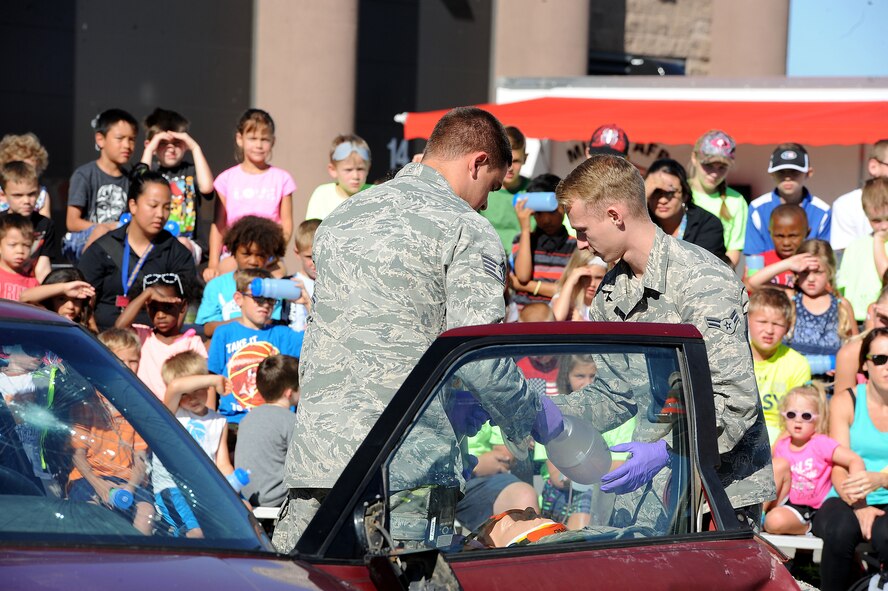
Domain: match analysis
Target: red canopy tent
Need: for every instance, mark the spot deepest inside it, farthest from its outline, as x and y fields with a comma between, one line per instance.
x=683, y=121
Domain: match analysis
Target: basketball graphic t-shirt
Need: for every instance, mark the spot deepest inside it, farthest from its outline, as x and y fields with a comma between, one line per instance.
x=236, y=352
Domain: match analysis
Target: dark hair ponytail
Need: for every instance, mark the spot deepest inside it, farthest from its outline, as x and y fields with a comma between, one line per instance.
x=140, y=176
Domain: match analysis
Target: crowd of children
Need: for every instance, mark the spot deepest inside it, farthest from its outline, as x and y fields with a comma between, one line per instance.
x=141, y=264
x=133, y=264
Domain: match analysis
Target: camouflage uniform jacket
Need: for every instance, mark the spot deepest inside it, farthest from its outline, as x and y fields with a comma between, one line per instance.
x=683, y=283
x=397, y=265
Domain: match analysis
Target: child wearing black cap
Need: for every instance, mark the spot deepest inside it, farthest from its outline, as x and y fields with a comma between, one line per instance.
x=789, y=167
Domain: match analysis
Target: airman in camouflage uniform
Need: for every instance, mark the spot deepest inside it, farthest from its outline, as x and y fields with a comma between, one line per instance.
x=397, y=265
x=658, y=278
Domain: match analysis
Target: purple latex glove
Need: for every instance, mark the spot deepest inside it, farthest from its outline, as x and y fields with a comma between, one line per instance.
x=646, y=460
x=548, y=423
x=469, y=470
x=465, y=413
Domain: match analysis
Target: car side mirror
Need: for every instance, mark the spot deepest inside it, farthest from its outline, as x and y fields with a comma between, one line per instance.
x=369, y=526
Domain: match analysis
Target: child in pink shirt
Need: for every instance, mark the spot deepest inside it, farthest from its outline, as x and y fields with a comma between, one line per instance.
x=16, y=238
x=803, y=461
x=164, y=298
x=253, y=187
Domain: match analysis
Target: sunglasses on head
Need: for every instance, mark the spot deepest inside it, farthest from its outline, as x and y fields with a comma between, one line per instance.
x=345, y=149
x=163, y=278
x=878, y=359
x=802, y=416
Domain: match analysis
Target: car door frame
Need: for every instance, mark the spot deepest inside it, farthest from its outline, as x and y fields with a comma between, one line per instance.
x=332, y=535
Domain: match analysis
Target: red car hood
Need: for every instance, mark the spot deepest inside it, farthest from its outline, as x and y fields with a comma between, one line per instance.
x=65, y=570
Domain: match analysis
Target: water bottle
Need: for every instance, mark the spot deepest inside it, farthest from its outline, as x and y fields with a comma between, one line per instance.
x=172, y=227
x=545, y=201
x=121, y=498
x=821, y=364
x=238, y=479
x=279, y=289
x=754, y=264
x=580, y=452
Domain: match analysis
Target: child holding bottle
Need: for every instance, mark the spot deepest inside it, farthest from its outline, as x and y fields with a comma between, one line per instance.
x=188, y=387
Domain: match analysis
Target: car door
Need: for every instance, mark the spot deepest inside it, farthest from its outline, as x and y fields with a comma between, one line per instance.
x=407, y=507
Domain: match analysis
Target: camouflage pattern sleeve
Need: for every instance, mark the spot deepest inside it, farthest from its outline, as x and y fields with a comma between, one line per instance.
x=503, y=392
x=475, y=274
x=718, y=309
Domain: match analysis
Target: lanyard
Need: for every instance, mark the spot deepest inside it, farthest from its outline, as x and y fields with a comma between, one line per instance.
x=682, y=226
x=124, y=270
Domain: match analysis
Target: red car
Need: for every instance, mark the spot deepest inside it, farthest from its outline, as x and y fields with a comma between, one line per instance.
x=391, y=521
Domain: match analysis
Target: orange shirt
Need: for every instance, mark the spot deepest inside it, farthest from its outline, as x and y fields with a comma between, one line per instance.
x=108, y=438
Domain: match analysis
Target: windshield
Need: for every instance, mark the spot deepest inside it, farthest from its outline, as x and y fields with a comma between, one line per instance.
x=88, y=455
x=459, y=483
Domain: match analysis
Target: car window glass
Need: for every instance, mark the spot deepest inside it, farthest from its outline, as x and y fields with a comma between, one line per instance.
x=87, y=453
x=454, y=469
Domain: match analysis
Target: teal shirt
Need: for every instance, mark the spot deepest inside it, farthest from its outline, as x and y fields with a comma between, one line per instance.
x=870, y=444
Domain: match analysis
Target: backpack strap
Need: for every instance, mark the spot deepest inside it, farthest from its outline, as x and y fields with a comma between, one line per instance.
x=115, y=252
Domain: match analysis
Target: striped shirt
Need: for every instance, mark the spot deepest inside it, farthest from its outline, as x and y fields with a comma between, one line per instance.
x=550, y=255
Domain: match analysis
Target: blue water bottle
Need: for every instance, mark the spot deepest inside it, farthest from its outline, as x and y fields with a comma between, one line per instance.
x=238, y=479
x=279, y=289
x=172, y=227
x=821, y=364
x=754, y=264
x=543, y=201
x=121, y=498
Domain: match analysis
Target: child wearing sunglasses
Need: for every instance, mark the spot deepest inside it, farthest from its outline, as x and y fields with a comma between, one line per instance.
x=237, y=347
x=165, y=299
x=349, y=167
x=803, y=460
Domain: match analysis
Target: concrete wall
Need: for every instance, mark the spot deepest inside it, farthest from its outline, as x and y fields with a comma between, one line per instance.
x=387, y=72
x=38, y=42
x=748, y=38
x=453, y=57
x=677, y=29
x=304, y=76
x=192, y=57
x=715, y=37
x=540, y=38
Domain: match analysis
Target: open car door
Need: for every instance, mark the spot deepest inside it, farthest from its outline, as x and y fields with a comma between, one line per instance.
x=399, y=515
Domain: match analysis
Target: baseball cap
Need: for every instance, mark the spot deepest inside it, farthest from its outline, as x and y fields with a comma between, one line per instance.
x=794, y=157
x=609, y=139
x=715, y=146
